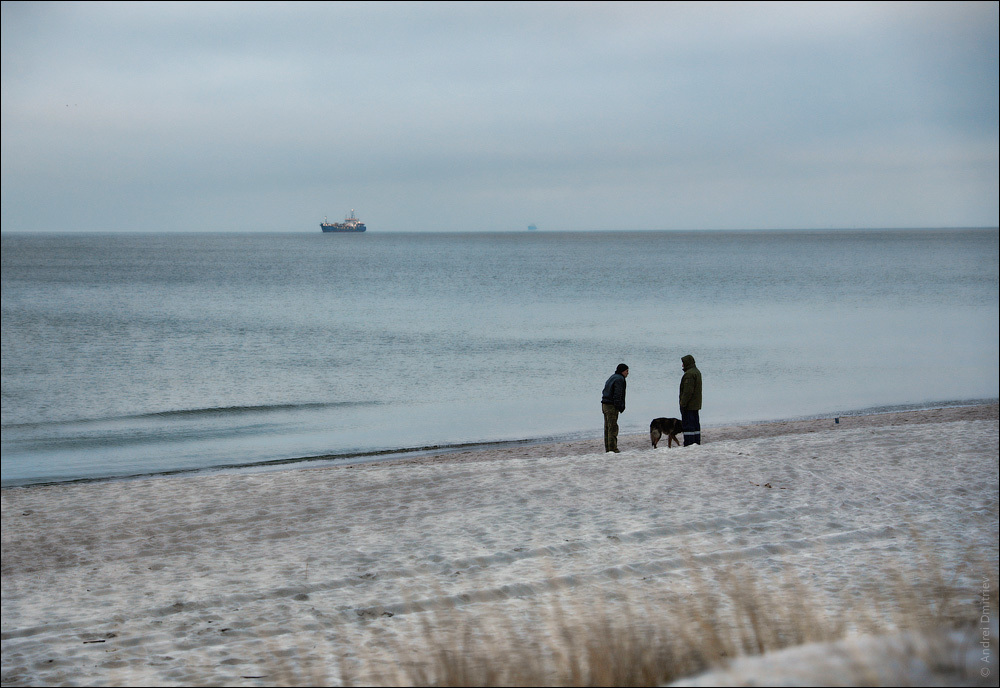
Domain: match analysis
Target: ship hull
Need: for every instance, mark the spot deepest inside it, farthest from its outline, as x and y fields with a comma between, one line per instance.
x=335, y=228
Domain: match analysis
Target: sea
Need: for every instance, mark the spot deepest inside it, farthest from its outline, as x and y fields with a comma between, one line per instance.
x=145, y=354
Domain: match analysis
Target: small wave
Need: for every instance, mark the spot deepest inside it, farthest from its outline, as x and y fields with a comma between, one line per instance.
x=219, y=411
x=266, y=408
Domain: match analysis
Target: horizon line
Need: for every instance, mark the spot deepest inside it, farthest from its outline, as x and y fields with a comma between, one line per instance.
x=503, y=231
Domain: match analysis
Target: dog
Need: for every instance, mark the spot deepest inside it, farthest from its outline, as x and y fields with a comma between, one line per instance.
x=665, y=426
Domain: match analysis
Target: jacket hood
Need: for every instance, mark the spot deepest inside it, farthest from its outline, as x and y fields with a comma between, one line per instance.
x=687, y=361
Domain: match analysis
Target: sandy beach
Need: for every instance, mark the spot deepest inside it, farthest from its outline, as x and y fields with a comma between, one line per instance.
x=228, y=579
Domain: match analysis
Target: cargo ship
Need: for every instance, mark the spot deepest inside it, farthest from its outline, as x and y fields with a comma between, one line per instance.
x=350, y=224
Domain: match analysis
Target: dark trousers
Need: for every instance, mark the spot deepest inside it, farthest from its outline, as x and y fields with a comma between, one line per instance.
x=610, y=427
x=692, y=427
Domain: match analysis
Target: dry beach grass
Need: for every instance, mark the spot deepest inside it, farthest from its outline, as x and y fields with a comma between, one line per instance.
x=546, y=564
x=913, y=631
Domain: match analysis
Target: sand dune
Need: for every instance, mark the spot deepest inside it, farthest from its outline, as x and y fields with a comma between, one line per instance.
x=212, y=579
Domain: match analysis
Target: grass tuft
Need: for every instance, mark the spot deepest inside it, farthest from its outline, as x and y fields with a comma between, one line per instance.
x=588, y=636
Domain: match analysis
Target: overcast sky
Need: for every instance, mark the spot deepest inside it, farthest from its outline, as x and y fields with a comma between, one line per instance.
x=493, y=116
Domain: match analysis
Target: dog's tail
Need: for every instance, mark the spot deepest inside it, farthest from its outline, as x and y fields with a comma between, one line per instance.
x=654, y=434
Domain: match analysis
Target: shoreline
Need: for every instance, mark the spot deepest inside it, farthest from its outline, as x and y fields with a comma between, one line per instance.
x=759, y=429
x=533, y=447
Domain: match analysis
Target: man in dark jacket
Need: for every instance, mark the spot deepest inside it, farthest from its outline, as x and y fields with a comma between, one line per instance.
x=690, y=401
x=613, y=403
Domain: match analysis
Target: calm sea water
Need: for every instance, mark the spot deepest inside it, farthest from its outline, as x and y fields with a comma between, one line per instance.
x=143, y=354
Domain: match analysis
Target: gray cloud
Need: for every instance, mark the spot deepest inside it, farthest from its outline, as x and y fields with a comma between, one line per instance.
x=465, y=116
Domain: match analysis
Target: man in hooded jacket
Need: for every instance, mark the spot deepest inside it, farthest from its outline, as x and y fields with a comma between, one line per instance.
x=690, y=401
x=613, y=403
